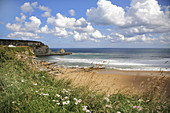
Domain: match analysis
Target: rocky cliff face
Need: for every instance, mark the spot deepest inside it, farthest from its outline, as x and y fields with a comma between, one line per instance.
x=38, y=47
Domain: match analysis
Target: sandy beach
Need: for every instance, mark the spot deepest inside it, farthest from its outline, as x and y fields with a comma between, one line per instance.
x=112, y=81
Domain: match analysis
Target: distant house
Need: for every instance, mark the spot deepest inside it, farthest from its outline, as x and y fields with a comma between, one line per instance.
x=11, y=46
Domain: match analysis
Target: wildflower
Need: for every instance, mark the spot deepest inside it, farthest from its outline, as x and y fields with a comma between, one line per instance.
x=108, y=95
x=66, y=102
x=36, y=91
x=118, y=112
x=140, y=100
x=43, y=76
x=53, y=100
x=108, y=106
x=134, y=106
x=107, y=99
x=11, y=84
x=138, y=108
x=66, y=97
x=65, y=91
x=22, y=80
x=46, y=94
x=58, y=95
x=35, y=84
x=13, y=102
x=77, y=101
x=85, y=109
x=58, y=103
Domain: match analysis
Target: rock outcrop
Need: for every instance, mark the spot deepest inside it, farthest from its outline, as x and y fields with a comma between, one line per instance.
x=38, y=47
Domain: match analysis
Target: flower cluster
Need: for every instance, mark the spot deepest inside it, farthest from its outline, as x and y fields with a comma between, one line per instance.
x=137, y=107
x=107, y=99
x=77, y=101
x=85, y=109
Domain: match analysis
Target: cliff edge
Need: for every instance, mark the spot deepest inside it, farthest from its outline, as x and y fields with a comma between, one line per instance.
x=38, y=47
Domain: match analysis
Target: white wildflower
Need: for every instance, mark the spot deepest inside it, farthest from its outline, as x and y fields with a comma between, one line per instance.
x=22, y=80
x=107, y=99
x=108, y=95
x=11, y=84
x=46, y=94
x=85, y=109
x=13, y=102
x=58, y=103
x=43, y=76
x=66, y=97
x=108, y=106
x=118, y=112
x=35, y=84
x=65, y=91
x=58, y=95
x=53, y=100
x=140, y=100
x=36, y=91
x=88, y=111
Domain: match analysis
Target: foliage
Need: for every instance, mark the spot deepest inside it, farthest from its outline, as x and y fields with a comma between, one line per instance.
x=25, y=90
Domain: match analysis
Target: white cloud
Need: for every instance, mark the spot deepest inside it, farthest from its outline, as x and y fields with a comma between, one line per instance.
x=22, y=19
x=165, y=38
x=32, y=26
x=46, y=14
x=61, y=32
x=46, y=9
x=80, y=29
x=44, y=29
x=116, y=37
x=26, y=7
x=13, y=27
x=106, y=14
x=23, y=35
x=72, y=12
x=34, y=4
x=141, y=18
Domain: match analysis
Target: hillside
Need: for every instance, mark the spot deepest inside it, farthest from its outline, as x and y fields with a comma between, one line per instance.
x=38, y=47
x=26, y=88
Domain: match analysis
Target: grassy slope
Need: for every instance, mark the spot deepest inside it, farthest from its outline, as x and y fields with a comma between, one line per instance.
x=23, y=89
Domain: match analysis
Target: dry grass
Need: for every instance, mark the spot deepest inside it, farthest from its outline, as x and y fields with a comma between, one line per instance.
x=151, y=87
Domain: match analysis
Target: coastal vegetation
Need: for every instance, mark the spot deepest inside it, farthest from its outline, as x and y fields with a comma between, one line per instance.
x=25, y=88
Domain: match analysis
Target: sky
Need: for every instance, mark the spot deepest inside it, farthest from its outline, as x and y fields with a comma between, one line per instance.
x=88, y=23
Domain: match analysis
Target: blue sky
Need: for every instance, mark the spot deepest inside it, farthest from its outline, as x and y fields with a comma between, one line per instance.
x=88, y=23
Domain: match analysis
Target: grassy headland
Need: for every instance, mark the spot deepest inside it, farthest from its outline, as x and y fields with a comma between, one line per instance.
x=24, y=88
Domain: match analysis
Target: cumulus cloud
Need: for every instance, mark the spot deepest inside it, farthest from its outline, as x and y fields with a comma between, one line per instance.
x=33, y=25
x=23, y=29
x=34, y=4
x=141, y=18
x=13, y=27
x=46, y=9
x=80, y=29
x=22, y=19
x=26, y=7
x=106, y=14
x=72, y=12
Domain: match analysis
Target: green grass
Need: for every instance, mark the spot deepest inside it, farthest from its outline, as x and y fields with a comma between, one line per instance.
x=25, y=90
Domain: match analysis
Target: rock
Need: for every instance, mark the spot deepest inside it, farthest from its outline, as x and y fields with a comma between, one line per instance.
x=62, y=50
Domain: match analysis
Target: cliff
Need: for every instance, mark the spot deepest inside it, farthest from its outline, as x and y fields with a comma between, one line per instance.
x=38, y=47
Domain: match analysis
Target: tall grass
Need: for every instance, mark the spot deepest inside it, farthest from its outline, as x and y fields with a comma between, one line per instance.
x=25, y=90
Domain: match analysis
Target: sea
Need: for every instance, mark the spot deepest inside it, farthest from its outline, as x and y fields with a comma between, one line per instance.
x=147, y=59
